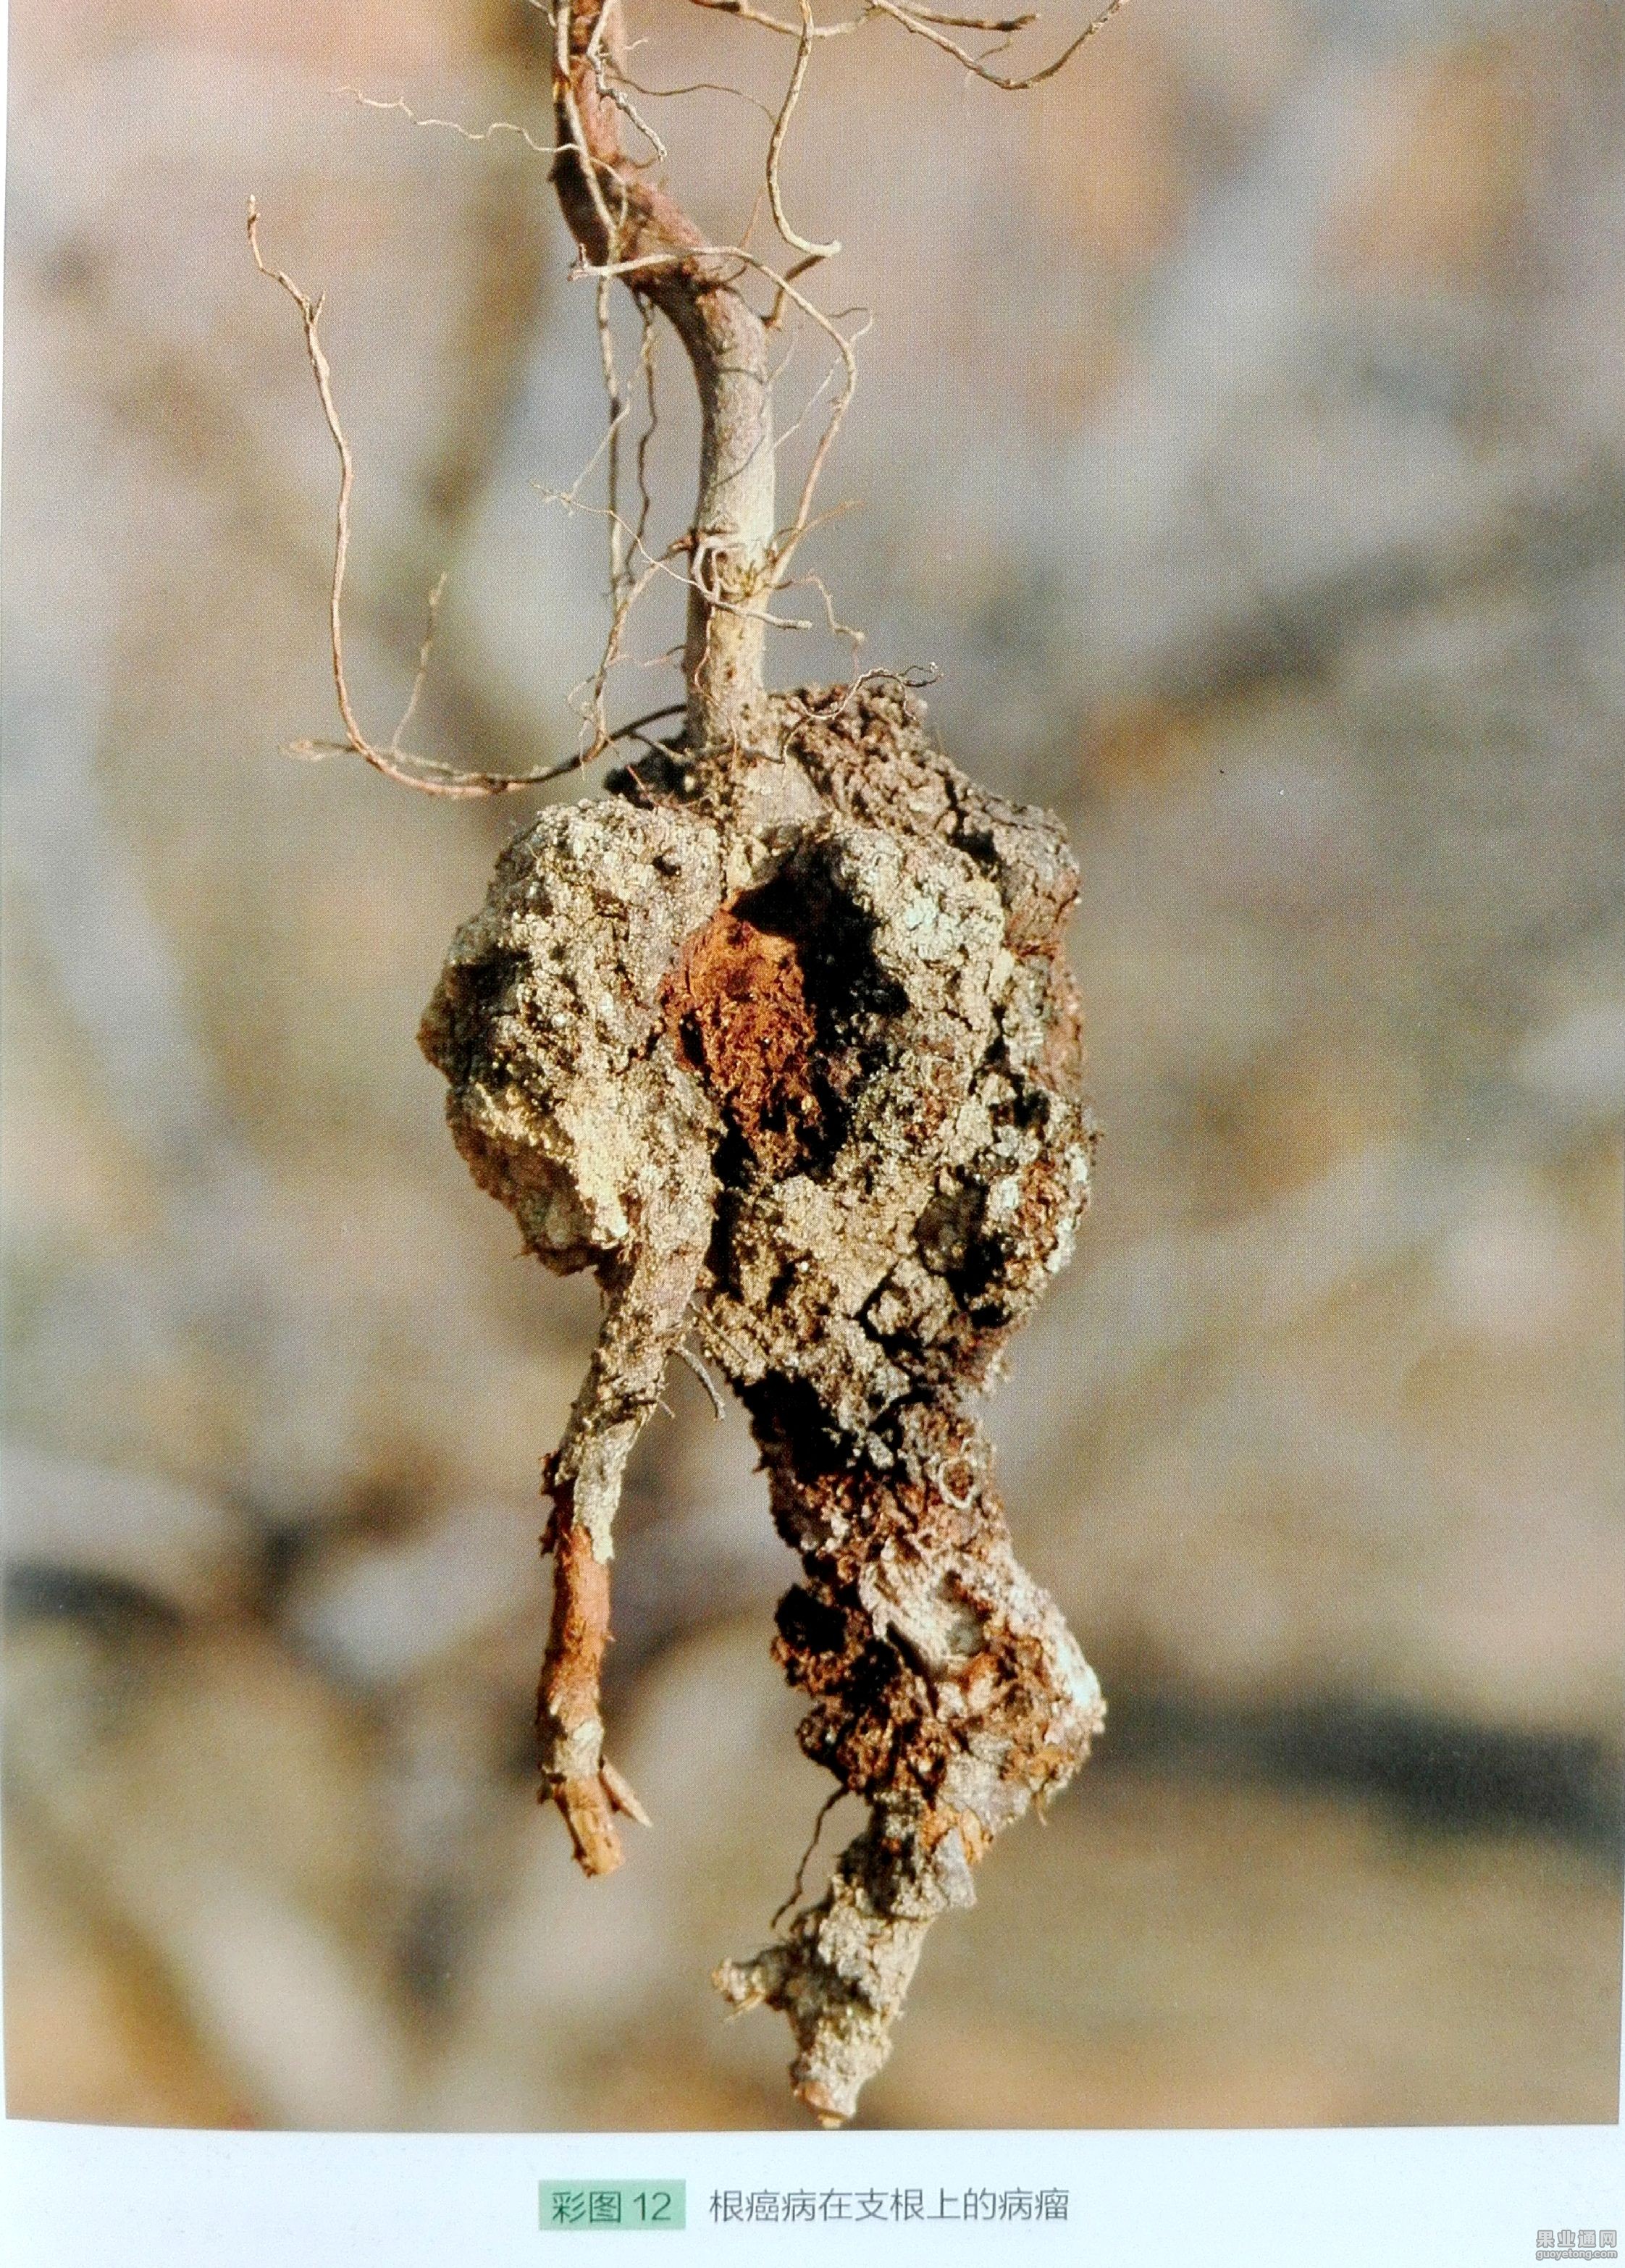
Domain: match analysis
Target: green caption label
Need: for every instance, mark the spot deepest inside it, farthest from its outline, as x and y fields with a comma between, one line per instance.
x=571, y=2208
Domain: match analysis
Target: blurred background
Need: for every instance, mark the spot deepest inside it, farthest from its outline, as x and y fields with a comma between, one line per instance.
x=1242, y=439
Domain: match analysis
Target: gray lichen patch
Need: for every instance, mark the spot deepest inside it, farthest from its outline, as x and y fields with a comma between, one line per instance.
x=788, y=1054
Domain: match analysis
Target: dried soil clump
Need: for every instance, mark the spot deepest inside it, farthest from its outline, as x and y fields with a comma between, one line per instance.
x=787, y=1051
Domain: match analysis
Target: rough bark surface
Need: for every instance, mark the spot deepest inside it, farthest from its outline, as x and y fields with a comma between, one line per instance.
x=787, y=1051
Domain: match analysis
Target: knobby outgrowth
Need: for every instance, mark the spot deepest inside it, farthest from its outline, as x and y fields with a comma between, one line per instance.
x=778, y=1038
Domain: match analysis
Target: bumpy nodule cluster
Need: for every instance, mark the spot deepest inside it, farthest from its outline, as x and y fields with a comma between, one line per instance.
x=790, y=1055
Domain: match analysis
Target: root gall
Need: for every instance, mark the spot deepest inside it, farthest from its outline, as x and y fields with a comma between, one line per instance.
x=785, y=1049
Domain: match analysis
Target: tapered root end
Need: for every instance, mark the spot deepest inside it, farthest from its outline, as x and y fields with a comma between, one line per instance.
x=587, y=1805
x=749, y=1983
x=575, y=1775
x=584, y=1809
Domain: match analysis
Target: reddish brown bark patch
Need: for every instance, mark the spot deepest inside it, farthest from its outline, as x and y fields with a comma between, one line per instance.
x=737, y=1006
x=882, y=1722
x=567, y=1698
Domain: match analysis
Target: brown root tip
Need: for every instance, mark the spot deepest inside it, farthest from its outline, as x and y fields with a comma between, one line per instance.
x=584, y=1806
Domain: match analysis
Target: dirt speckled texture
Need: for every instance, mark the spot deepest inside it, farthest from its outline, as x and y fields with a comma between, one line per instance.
x=788, y=1054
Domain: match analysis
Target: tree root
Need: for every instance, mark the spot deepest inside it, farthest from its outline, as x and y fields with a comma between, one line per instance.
x=779, y=1041
x=575, y=1775
x=949, y=1693
x=787, y=1051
